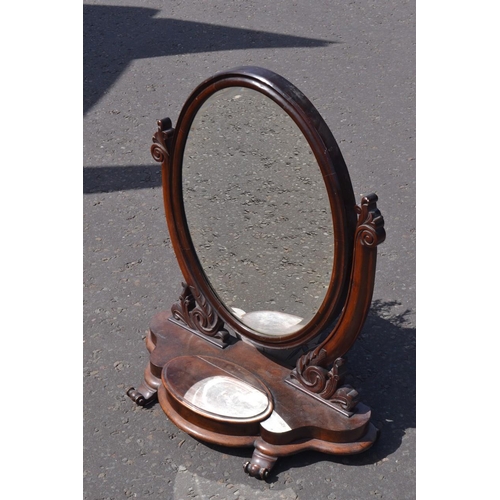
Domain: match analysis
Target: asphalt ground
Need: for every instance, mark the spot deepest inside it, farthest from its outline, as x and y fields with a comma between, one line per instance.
x=356, y=62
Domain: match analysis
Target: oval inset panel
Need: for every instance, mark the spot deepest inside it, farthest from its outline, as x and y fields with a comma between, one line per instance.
x=218, y=389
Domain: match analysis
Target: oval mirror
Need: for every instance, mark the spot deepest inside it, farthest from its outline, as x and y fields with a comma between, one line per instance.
x=258, y=211
x=267, y=207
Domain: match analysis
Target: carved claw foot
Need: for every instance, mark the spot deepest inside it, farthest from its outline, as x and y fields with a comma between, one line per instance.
x=260, y=465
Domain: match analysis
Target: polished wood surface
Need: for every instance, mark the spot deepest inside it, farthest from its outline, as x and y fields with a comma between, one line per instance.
x=169, y=147
x=310, y=406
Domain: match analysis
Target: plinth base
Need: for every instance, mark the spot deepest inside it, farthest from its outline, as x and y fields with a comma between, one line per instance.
x=261, y=410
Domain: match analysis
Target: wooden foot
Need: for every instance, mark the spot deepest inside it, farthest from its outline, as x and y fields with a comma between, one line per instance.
x=260, y=465
x=142, y=396
x=147, y=391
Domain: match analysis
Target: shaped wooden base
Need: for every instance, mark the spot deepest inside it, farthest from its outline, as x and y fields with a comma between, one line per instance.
x=292, y=422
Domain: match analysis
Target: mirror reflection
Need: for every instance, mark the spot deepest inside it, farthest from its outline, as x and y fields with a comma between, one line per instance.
x=257, y=211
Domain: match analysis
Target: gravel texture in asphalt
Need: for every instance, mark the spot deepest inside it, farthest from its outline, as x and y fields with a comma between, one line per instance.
x=356, y=62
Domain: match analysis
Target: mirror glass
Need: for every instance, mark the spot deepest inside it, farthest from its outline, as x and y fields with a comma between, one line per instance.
x=215, y=387
x=258, y=211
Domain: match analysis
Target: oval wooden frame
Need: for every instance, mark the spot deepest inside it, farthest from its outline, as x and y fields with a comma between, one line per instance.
x=337, y=183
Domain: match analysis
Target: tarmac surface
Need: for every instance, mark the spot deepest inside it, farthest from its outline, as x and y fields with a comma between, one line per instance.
x=356, y=62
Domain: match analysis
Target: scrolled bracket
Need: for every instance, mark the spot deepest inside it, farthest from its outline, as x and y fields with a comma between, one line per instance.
x=193, y=311
x=311, y=376
x=161, y=148
x=370, y=230
x=311, y=373
x=346, y=398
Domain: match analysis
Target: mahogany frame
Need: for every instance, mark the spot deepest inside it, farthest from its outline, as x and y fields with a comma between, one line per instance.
x=335, y=175
x=330, y=418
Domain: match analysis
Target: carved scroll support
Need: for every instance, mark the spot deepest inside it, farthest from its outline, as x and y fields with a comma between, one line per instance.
x=146, y=393
x=312, y=372
x=162, y=147
x=324, y=385
x=193, y=312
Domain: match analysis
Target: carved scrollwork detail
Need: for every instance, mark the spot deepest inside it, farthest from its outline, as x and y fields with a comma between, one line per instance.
x=370, y=229
x=195, y=312
x=346, y=397
x=311, y=373
x=161, y=140
x=327, y=384
x=315, y=377
x=181, y=309
x=159, y=152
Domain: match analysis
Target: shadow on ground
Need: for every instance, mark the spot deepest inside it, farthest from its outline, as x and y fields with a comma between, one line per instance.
x=121, y=178
x=113, y=36
x=382, y=368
